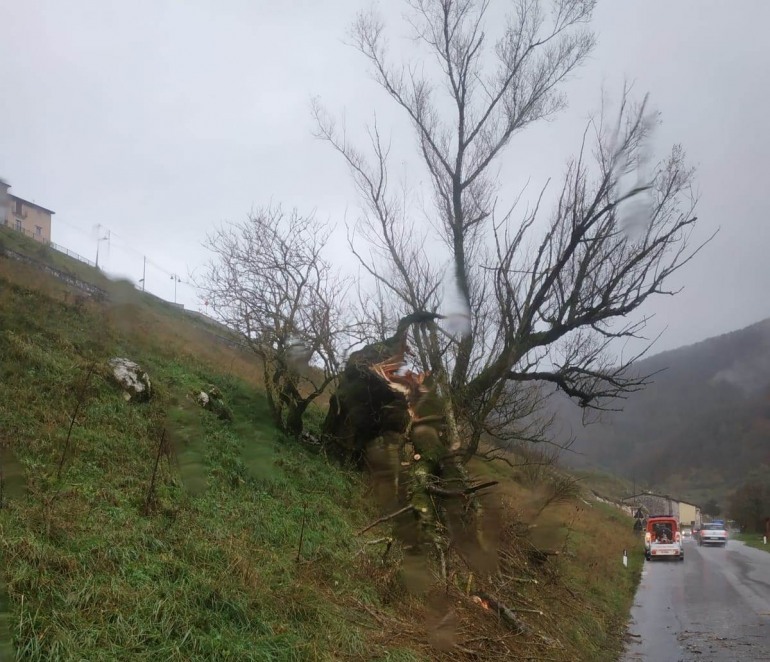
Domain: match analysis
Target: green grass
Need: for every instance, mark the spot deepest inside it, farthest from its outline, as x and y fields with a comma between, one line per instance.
x=751, y=539
x=598, y=540
x=208, y=566
x=20, y=243
x=212, y=571
x=604, y=484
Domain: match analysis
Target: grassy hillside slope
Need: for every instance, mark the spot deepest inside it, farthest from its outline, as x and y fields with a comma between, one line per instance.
x=700, y=429
x=247, y=548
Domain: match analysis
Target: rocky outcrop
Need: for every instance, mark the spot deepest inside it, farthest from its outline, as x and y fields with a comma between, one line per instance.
x=134, y=381
x=211, y=400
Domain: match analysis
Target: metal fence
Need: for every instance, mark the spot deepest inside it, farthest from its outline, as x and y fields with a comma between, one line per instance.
x=89, y=288
x=102, y=295
x=72, y=254
x=56, y=247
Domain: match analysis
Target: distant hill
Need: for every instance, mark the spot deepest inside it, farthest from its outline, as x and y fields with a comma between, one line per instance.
x=699, y=429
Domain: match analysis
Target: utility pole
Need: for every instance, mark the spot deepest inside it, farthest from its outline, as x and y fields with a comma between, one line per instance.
x=144, y=271
x=98, y=233
x=99, y=240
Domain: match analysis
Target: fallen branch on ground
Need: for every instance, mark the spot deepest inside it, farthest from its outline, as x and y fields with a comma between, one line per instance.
x=385, y=518
x=371, y=612
x=508, y=615
x=385, y=539
x=488, y=602
x=440, y=491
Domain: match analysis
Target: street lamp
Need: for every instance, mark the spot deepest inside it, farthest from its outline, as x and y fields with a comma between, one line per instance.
x=144, y=273
x=176, y=280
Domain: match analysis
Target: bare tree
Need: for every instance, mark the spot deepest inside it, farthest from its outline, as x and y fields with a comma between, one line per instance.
x=269, y=281
x=545, y=295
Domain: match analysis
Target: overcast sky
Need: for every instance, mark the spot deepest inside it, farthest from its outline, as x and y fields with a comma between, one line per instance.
x=160, y=119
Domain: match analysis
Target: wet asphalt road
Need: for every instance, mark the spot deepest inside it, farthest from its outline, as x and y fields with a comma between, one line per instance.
x=714, y=605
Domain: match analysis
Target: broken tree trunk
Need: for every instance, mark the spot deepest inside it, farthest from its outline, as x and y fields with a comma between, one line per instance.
x=394, y=421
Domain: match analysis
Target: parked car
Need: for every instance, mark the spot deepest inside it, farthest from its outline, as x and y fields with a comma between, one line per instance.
x=713, y=533
x=662, y=538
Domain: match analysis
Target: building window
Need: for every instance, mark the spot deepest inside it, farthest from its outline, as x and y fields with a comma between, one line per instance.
x=18, y=225
x=18, y=207
x=38, y=231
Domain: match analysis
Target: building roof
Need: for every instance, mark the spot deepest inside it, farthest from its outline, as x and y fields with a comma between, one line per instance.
x=650, y=494
x=31, y=204
x=659, y=496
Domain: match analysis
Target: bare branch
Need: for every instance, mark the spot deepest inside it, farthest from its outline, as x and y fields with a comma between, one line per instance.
x=543, y=299
x=269, y=282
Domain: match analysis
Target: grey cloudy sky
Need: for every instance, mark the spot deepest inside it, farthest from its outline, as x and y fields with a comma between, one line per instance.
x=160, y=119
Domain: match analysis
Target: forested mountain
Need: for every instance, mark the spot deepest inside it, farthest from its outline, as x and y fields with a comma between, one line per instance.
x=699, y=429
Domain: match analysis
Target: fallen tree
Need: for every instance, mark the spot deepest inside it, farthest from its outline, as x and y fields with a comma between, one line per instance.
x=393, y=420
x=544, y=296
